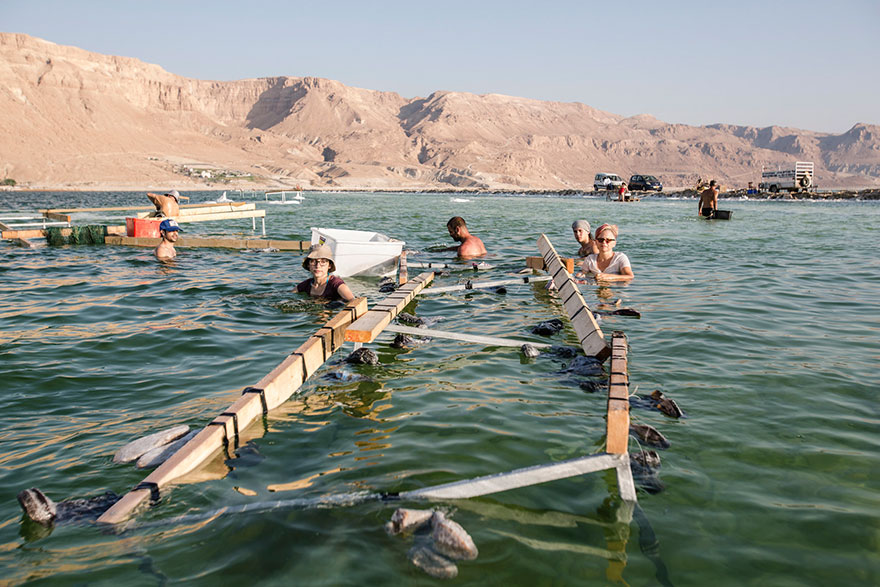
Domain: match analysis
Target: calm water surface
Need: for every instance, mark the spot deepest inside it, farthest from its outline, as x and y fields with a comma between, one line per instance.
x=764, y=329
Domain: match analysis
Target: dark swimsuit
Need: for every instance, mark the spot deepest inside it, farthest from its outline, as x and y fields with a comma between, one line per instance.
x=331, y=290
x=707, y=212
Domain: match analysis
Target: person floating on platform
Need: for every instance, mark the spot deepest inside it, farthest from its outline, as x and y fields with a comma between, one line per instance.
x=167, y=204
x=608, y=265
x=470, y=246
x=168, y=230
x=581, y=230
x=319, y=262
x=708, y=200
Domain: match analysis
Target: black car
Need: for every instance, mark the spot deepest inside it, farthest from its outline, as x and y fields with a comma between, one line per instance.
x=644, y=183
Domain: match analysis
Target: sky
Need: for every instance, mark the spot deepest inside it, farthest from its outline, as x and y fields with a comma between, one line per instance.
x=808, y=64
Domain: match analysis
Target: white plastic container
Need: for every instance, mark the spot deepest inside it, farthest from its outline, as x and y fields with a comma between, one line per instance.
x=360, y=252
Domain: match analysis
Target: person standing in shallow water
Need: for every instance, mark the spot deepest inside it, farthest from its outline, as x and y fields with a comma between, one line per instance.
x=167, y=204
x=168, y=231
x=708, y=200
x=608, y=265
x=319, y=262
x=581, y=230
x=470, y=246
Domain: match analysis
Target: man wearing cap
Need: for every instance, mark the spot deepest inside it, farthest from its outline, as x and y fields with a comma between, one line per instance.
x=581, y=230
x=319, y=262
x=168, y=230
x=167, y=204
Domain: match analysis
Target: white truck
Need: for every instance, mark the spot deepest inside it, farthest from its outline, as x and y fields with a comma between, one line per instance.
x=793, y=179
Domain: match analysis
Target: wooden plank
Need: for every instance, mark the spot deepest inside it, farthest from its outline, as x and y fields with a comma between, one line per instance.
x=538, y=263
x=487, y=284
x=582, y=320
x=38, y=233
x=125, y=208
x=474, y=338
x=201, y=242
x=625, y=484
x=277, y=387
x=617, y=431
x=402, y=273
x=368, y=326
x=212, y=209
x=524, y=477
x=222, y=216
x=57, y=216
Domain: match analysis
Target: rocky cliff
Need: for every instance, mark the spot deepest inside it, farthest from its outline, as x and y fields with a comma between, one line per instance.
x=71, y=118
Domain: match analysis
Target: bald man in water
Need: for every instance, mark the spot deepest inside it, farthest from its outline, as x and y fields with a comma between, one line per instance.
x=470, y=246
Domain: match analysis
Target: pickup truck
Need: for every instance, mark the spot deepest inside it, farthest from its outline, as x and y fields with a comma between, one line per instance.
x=794, y=179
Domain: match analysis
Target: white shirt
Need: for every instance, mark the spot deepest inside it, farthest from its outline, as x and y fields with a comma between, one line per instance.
x=618, y=262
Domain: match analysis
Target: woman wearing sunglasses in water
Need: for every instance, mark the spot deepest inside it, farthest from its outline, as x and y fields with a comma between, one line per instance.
x=607, y=265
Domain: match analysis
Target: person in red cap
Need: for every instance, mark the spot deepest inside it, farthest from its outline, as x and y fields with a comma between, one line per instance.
x=168, y=230
x=167, y=204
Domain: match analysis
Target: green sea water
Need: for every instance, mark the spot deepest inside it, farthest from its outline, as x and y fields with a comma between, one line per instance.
x=765, y=329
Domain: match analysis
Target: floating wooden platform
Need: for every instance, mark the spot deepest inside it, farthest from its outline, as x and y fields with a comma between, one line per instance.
x=222, y=243
x=270, y=392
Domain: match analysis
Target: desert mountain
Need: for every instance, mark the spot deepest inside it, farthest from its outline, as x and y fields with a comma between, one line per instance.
x=71, y=118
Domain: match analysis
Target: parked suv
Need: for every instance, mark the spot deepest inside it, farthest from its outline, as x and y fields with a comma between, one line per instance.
x=613, y=182
x=645, y=183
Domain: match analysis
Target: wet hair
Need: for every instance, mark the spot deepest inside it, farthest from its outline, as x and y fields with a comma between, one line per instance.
x=712, y=183
x=456, y=222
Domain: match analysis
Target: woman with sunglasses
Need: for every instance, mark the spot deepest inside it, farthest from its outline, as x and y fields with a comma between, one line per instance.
x=319, y=262
x=608, y=265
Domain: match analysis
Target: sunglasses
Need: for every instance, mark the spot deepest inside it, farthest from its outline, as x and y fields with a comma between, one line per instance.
x=605, y=240
x=319, y=262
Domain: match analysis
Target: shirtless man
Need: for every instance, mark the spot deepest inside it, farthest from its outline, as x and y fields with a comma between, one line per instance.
x=708, y=200
x=470, y=246
x=167, y=204
x=581, y=230
x=168, y=230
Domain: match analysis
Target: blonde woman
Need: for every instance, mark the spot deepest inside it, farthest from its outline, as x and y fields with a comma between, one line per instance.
x=608, y=265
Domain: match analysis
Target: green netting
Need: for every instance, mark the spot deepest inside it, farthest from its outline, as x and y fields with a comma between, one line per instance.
x=54, y=237
x=92, y=234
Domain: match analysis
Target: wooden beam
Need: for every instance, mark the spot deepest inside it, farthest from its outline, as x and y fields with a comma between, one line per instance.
x=617, y=431
x=222, y=216
x=488, y=284
x=582, y=320
x=212, y=209
x=125, y=208
x=57, y=216
x=368, y=326
x=223, y=243
x=37, y=233
x=271, y=391
x=538, y=263
x=402, y=273
x=474, y=338
x=525, y=477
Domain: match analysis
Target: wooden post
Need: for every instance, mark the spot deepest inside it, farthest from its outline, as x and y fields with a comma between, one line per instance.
x=403, y=275
x=617, y=431
x=590, y=335
x=368, y=326
x=271, y=391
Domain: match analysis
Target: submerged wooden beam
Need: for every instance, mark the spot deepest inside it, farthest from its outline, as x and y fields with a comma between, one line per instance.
x=488, y=284
x=525, y=477
x=37, y=233
x=270, y=392
x=223, y=243
x=368, y=326
x=539, y=264
x=474, y=338
x=617, y=431
x=582, y=320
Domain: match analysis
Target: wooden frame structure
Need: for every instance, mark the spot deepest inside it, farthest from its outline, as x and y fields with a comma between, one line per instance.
x=270, y=392
x=224, y=243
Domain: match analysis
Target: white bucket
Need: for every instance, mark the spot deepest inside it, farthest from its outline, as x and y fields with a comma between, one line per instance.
x=360, y=252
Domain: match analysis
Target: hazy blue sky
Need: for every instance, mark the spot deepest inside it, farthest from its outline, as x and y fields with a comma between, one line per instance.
x=810, y=64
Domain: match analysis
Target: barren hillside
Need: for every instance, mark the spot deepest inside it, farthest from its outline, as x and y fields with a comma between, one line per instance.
x=71, y=118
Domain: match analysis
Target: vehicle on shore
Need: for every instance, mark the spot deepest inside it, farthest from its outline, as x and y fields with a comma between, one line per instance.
x=794, y=179
x=607, y=181
x=645, y=183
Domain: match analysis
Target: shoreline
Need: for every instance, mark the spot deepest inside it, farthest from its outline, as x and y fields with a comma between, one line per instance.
x=867, y=194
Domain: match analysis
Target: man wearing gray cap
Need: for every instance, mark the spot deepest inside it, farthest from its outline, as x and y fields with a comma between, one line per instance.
x=167, y=204
x=581, y=230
